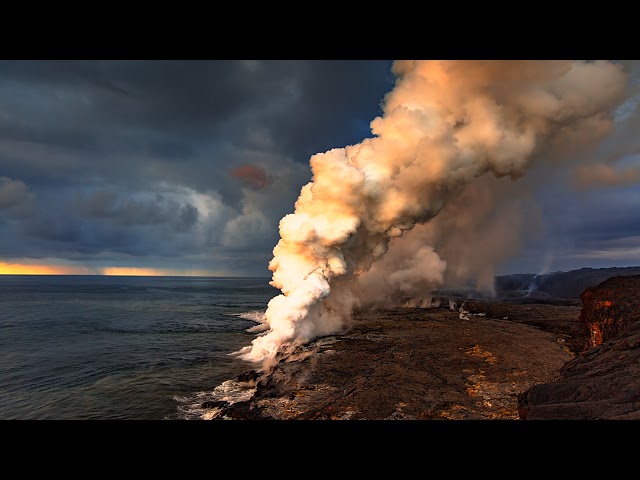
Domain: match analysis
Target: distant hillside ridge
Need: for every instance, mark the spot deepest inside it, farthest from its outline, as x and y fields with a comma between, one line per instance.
x=568, y=284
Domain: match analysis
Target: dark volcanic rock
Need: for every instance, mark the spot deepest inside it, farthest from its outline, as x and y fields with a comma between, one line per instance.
x=610, y=308
x=249, y=376
x=603, y=382
x=421, y=363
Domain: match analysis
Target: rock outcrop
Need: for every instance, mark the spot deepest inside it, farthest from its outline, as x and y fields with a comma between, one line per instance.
x=603, y=382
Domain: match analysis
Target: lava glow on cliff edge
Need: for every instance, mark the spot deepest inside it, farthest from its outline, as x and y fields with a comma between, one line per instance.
x=444, y=126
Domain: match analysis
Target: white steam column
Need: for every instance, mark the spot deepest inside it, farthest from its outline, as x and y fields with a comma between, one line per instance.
x=445, y=124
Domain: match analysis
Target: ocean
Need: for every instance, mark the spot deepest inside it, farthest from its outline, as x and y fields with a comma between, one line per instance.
x=123, y=348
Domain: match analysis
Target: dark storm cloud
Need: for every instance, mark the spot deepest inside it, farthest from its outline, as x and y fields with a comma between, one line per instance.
x=120, y=157
x=605, y=216
x=193, y=97
x=584, y=228
x=187, y=218
x=182, y=121
x=15, y=199
x=332, y=100
x=105, y=204
x=102, y=160
x=55, y=229
x=188, y=94
x=99, y=203
x=253, y=176
x=62, y=234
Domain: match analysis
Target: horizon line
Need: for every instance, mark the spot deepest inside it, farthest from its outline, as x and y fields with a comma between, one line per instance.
x=26, y=274
x=122, y=275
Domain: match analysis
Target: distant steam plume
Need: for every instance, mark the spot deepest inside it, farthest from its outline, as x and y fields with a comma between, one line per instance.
x=445, y=125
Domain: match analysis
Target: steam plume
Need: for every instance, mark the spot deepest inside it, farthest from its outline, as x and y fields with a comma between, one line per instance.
x=445, y=125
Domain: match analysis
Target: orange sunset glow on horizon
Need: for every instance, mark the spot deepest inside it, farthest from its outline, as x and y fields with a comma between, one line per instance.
x=27, y=269
x=151, y=272
x=49, y=269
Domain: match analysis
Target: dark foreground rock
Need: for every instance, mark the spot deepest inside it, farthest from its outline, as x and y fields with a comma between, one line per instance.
x=604, y=381
x=422, y=363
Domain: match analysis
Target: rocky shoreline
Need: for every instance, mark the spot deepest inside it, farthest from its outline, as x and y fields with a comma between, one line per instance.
x=510, y=359
x=469, y=362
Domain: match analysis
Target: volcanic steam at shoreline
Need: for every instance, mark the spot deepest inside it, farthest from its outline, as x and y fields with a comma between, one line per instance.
x=445, y=125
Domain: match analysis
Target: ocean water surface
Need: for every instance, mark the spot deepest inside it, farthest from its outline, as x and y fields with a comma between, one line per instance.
x=107, y=347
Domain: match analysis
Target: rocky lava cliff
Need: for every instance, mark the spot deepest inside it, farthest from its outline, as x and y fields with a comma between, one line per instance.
x=603, y=382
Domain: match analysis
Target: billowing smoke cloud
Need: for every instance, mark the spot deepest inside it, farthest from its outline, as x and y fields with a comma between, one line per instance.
x=445, y=125
x=476, y=231
x=254, y=176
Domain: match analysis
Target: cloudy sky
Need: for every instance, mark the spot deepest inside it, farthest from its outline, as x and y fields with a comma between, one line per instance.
x=186, y=167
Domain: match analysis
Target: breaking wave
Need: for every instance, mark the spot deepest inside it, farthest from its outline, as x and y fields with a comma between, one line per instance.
x=208, y=405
